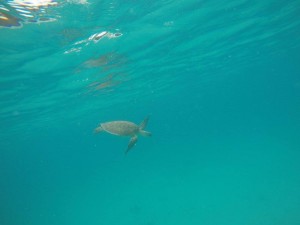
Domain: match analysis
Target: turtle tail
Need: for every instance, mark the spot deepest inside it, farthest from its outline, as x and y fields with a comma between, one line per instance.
x=98, y=130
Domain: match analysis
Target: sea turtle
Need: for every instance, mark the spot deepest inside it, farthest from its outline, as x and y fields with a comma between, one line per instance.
x=125, y=128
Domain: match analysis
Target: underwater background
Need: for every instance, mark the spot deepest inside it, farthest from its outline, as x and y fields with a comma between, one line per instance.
x=220, y=81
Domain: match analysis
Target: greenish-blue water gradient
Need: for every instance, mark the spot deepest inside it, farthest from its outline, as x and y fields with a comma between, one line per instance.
x=220, y=81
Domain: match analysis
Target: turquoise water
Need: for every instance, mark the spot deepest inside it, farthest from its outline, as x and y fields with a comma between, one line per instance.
x=220, y=81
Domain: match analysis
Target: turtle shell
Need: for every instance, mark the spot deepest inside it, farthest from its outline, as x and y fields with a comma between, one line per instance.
x=122, y=128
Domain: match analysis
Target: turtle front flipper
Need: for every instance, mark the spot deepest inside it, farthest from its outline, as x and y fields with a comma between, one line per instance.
x=144, y=123
x=132, y=142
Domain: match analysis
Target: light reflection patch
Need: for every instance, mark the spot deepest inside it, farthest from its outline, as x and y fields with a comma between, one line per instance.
x=35, y=3
x=14, y=13
x=93, y=38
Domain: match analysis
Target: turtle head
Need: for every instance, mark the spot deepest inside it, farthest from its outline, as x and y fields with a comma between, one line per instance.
x=145, y=133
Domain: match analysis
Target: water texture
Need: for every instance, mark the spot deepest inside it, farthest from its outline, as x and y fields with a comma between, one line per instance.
x=220, y=81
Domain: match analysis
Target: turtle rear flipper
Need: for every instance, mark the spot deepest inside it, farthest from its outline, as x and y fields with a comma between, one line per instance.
x=132, y=142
